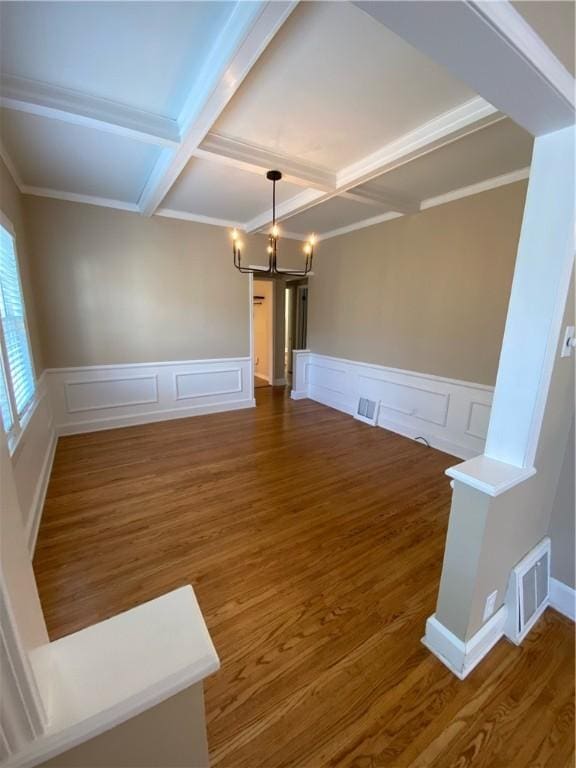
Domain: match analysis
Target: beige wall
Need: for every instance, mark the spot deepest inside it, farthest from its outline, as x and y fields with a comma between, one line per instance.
x=169, y=735
x=11, y=207
x=116, y=287
x=488, y=536
x=562, y=521
x=427, y=292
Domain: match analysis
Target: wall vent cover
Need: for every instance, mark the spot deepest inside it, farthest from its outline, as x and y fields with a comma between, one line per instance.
x=367, y=411
x=528, y=591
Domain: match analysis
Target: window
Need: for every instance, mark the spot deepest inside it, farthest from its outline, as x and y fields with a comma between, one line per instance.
x=17, y=383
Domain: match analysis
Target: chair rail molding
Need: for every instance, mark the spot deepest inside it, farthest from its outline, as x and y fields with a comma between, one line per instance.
x=452, y=415
x=91, y=398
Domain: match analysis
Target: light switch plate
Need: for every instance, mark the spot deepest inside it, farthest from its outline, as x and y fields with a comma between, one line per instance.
x=566, y=350
x=490, y=605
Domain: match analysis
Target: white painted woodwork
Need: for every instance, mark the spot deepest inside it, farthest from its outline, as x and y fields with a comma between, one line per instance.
x=493, y=49
x=537, y=301
x=111, y=671
x=82, y=109
x=440, y=130
x=234, y=193
x=146, y=56
x=32, y=459
x=248, y=31
x=462, y=657
x=241, y=154
x=104, y=164
x=102, y=397
x=443, y=411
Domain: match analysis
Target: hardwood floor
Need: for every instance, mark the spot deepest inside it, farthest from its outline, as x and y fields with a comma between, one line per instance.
x=314, y=544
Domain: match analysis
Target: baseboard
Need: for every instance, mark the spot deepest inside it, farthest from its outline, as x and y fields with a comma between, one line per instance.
x=563, y=599
x=462, y=657
x=117, y=422
x=298, y=395
x=40, y=494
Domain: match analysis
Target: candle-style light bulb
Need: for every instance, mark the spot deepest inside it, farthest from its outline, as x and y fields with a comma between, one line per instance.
x=275, y=230
x=234, y=235
x=269, y=249
x=308, y=249
x=312, y=240
x=239, y=244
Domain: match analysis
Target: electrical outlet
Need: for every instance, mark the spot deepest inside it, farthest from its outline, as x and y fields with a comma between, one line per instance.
x=490, y=605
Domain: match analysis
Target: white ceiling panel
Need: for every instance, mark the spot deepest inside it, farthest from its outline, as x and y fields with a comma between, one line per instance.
x=334, y=86
x=493, y=151
x=142, y=54
x=554, y=21
x=333, y=214
x=220, y=191
x=76, y=159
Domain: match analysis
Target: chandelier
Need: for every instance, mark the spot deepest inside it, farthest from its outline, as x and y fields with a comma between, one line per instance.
x=272, y=248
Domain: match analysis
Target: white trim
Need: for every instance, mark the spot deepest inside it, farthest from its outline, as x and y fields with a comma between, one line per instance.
x=72, y=197
x=296, y=395
x=141, y=393
x=462, y=657
x=238, y=388
x=113, y=422
x=255, y=159
x=432, y=202
x=380, y=198
x=476, y=189
x=117, y=380
x=153, y=364
x=56, y=103
x=489, y=475
x=411, y=404
x=35, y=514
x=516, y=628
x=493, y=50
x=171, y=213
x=467, y=118
x=11, y=168
x=104, y=675
x=563, y=598
x=246, y=34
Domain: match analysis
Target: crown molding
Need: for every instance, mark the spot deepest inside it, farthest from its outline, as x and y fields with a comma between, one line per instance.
x=432, y=202
x=170, y=213
x=476, y=189
x=246, y=34
x=472, y=116
x=72, y=197
x=383, y=198
x=249, y=157
x=10, y=167
x=68, y=106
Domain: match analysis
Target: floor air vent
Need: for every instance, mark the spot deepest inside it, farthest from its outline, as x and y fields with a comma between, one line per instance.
x=528, y=592
x=367, y=411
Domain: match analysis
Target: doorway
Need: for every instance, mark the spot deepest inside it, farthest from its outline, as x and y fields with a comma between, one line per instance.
x=295, y=321
x=263, y=332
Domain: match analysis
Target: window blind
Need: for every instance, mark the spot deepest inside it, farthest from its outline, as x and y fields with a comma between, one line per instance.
x=18, y=375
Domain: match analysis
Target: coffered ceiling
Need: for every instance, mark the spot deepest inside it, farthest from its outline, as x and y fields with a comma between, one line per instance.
x=179, y=108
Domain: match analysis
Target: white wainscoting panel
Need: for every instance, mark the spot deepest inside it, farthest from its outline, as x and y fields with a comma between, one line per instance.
x=451, y=415
x=32, y=461
x=103, y=397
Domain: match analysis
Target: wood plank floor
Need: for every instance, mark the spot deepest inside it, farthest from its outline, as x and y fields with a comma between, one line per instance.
x=314, y=544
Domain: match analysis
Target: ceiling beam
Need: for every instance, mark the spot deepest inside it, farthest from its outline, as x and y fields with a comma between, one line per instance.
x=249, y=157
x=467, y=118
x=383, y=198
x=75, y=108
x=490, y=47
x=245, y=36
